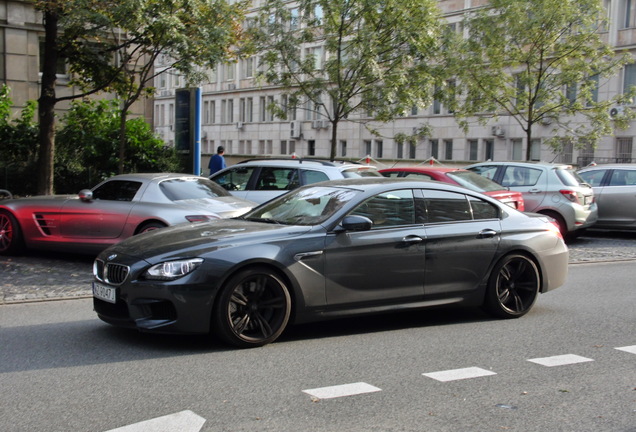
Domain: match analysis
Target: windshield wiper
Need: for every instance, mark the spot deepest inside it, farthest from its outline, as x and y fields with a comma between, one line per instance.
x=264, y=220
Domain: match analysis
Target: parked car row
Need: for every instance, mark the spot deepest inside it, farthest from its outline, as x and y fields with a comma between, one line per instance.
x=115, y=209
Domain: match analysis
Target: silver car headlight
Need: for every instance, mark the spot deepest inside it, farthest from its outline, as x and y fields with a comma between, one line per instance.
x=171, y=270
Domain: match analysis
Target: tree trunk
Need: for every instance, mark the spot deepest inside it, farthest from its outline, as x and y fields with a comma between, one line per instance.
x=122, y=138
x=46, y=106
x=334, y=140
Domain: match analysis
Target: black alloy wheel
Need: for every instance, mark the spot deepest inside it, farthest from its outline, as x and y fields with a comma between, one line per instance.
x=513, y=287
x=10, y=234
x=253, y=308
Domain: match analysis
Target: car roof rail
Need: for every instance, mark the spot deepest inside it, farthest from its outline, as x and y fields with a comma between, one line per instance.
x=325, y=162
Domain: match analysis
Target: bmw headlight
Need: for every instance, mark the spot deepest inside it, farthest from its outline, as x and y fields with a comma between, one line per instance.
x=171, y=270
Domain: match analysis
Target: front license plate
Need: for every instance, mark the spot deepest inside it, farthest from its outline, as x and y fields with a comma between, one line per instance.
x=105, y=293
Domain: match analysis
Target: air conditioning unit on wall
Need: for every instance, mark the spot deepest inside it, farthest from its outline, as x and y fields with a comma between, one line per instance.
x=498, y=131
x=616, y=111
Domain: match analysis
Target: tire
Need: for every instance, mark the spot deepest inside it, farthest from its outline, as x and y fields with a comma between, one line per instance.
x=513, y=287
x=253, y=308
x=11, y=241
x=559, y=221
x=150, y=226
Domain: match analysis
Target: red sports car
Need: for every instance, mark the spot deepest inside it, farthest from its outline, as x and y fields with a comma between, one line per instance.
x=460, y=177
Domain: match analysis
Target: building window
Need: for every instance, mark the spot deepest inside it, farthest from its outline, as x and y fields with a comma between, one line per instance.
x=367, y=148
x=535, y=149
x=248, y=67
x=399, y=147
x=283, y=147
x=379, y=150
x=489, y=149
x=228, y=71
x=473, y=149
x=628, y=10
x=448, y=149
x=311, y=147
x=629, y=78
x=262, y=109
x=594, y=92
x=412, y=148
x=270, y=113
x=624, y=150
x=517, y=149
x=434, y=148
x=343, y=148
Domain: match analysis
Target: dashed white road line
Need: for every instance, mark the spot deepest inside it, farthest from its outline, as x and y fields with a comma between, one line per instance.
x=184, y=421
x=560, y=360
x=341, y=390
x=459, y=374
x=629, y=349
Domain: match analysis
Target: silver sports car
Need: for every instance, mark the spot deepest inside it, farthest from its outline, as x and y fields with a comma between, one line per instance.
x=115, y=209
x=328, y=250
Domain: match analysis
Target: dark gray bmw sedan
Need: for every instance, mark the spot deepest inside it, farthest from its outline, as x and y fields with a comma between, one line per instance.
x=327, y=250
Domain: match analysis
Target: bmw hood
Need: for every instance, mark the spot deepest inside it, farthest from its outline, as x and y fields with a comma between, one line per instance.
x=197, y=239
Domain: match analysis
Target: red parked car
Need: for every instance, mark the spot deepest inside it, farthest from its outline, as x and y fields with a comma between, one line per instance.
x=460, y=177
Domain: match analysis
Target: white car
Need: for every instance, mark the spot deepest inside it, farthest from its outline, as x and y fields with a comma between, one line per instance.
x=260, y=180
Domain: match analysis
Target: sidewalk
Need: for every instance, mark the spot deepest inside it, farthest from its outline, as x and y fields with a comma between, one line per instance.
x=50, y=276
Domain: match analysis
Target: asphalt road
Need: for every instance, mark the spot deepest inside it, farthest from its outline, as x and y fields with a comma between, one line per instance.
x=569, y=365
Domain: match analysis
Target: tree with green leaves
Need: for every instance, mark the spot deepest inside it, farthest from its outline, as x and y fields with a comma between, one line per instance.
x=112, y=45
x=88, y=141
x=346, y=58
x=539, y=62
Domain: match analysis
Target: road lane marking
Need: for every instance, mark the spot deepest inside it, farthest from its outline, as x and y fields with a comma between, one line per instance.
x=341, y=390
x=459, y=374
x=184, y=421
x=560, y=360
x=629, y=349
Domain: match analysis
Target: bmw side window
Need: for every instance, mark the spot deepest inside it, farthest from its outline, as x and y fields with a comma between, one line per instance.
x=444, y=206
x=117, y=190
x=234, y=179
x=389, y=209
x=482, y=209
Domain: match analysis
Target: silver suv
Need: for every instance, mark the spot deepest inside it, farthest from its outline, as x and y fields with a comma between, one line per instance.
x=260, y=180
x=551, y=189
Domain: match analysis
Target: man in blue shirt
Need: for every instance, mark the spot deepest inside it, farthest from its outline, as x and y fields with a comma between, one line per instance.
x=217, y=161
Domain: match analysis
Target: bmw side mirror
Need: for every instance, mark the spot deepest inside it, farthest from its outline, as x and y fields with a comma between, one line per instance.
x=86, y=195
x=355, y=223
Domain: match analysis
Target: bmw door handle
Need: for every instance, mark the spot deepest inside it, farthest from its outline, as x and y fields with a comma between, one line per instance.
x=487, y=233
x=412, y=239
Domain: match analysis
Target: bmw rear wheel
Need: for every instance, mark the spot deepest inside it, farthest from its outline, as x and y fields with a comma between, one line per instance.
x=10, y=234
x=253, y=308
x=513, y=287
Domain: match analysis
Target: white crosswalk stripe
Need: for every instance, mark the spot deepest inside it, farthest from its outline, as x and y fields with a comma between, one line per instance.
x=629, y=349
x=341, y=390
x=560, y=360
x=459, y=374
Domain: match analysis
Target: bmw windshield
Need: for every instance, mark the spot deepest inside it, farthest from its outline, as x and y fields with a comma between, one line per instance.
x=311, y=206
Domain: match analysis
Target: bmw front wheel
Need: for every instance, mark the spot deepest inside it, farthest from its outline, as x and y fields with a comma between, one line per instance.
x=253, y=308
